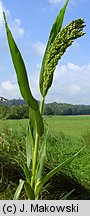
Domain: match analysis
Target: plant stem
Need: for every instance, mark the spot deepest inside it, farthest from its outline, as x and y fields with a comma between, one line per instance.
x=42, y=105
x=35, y=156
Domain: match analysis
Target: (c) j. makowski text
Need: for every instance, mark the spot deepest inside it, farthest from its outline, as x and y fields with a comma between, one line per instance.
x=51, y=208
x=35, y=208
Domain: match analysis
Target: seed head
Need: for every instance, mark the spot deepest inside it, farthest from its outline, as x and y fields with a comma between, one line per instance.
x=62, y=41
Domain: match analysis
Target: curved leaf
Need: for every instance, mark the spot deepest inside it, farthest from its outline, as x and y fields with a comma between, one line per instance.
x=40, y=164
x=57, y=24
x=27, y=173
x=55, y=170
x=37, y=121
x=29, y=145
x=20, y=70
x=18, y=190
x=54, y=31
x=29, y=191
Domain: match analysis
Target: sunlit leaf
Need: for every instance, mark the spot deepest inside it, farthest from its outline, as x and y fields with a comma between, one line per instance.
x=55, y=170
x=54, y=31
x=37, y=121
x=20, y=70
x=18, y=190
x=27, y=173
x=41, y=158
x=29, y=191
x=29, y=144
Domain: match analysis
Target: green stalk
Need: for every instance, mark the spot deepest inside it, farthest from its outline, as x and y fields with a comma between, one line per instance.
x=35, y=156
x=42, y=105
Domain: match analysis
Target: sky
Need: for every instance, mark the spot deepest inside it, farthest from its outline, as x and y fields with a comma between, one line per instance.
x=30, y=22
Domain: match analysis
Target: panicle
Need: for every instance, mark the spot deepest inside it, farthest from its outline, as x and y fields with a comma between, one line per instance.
x=62, y=41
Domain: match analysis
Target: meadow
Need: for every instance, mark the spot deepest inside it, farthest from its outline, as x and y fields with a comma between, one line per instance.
x=66, y=135
x=74, y=126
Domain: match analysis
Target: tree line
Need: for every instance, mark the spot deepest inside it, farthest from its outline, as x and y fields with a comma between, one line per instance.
x=18, y=109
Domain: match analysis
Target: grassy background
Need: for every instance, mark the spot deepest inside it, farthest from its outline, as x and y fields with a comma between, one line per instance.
x=67, y=134
x=70, y=125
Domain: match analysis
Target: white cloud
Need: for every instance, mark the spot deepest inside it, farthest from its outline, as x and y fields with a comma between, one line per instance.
x=39, y=48
x=55, y=1
x=15, y=25
x=8, y=86
x=16, y=28
x=71, y=84
x=9, y=90
x=74, y=89
x=2, y=8
x=1, y=17
x=72, y=66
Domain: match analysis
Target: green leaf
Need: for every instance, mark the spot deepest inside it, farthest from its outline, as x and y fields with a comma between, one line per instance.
x=55, y=170
x=42, y=153
x=54, y=31
x=29, y=144
x=20, y=70
x=27, y=183
x=40, y=164
x=65, y=197
x=29, y=191
x=18, y=190
x=27, y=174
x=57, y=24
x=37, y=121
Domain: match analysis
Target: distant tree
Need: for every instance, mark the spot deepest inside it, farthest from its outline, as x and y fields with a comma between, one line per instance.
x=68, y=111
x=48, y=111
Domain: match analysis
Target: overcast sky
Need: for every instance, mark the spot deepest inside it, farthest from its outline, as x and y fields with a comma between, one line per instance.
x=30, y=22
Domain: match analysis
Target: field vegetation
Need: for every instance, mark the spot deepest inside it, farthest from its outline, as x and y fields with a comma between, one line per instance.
x=31, y=147
x=18, y=109
x=67, y=134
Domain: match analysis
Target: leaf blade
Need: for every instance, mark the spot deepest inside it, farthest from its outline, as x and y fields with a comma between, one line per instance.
x=29, y=191
x=40, y=164
x=55, y=170
x=37, y=121
x=53, y=33
x=57, y=24
x=27, y=174
x=18, y=190
x=20, y=70
x=29, y=145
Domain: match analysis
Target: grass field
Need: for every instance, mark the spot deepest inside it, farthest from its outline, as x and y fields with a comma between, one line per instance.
x=70, y=125
x=67, y=135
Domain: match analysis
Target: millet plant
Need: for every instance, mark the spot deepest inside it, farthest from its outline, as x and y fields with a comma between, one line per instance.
x=59, y=40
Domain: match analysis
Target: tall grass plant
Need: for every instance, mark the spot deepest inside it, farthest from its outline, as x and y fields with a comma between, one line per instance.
x=59, y=40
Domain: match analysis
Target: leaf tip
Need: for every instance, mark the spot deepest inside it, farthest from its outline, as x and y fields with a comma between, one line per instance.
x=4, y=15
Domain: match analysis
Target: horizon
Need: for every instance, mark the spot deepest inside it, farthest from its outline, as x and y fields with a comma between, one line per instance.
x=18, y=99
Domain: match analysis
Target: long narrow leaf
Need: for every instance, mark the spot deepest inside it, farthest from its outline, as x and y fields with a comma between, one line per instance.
x=57, y=24
x=54, y=31
x=20, y=70
x=29, y=145
x=65, y=197
x=27, y=174
x=41, y=158
x=40, y=164
x=29, y=191
x=55, y=170
x=18, y=190
x=37, y=121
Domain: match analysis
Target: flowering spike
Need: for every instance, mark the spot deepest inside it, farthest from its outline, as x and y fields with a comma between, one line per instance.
x=61, y=42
